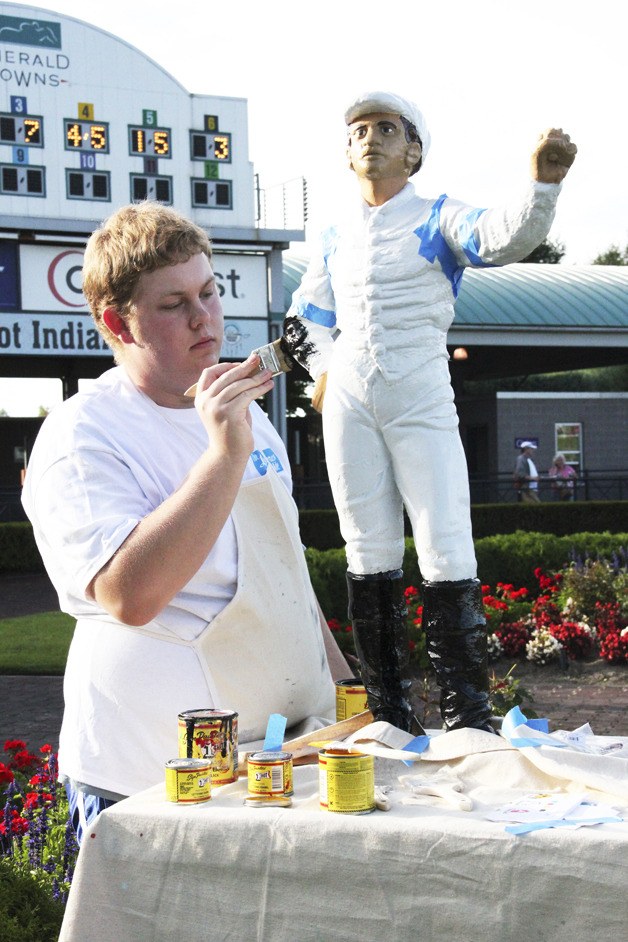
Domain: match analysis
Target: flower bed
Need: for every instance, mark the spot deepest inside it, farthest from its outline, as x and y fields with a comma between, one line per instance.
x=37, y=842
x=579, y=612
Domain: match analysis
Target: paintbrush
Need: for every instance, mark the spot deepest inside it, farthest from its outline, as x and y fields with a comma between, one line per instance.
x=272, y=357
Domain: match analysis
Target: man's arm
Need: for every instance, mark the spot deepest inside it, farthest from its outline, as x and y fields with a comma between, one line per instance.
x=169, y=545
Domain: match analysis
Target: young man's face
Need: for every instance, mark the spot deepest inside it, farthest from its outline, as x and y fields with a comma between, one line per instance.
x=378, y=148
x=176, y=324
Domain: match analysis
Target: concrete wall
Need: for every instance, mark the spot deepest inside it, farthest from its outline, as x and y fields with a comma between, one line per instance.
x=603, y=419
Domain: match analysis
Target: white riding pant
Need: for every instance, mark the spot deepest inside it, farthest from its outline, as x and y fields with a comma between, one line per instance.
x=391, y=443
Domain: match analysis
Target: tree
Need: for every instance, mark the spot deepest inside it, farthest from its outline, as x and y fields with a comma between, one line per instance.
x=547, y=253
x=613, y=256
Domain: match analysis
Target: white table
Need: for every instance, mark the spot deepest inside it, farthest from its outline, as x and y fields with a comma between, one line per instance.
x=153, y=871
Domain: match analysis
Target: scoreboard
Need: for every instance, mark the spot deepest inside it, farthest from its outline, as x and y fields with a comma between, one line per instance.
x=88, y=123
x=86, y=120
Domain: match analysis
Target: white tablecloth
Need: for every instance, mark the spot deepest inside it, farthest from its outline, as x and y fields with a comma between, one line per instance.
x=153, y=871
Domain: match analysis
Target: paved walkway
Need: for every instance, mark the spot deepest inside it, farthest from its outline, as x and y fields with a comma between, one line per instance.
x=30, y=707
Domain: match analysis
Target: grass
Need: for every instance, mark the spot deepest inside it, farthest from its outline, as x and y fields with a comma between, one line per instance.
x=35, y=644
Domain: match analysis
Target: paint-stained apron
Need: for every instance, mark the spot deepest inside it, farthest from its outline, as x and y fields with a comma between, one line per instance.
x=264, y=652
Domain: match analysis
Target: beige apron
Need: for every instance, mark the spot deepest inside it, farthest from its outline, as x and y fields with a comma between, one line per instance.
x=264, y=652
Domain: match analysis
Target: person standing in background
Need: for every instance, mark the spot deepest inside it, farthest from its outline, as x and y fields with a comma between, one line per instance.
x=563, y=478
x=526, y=475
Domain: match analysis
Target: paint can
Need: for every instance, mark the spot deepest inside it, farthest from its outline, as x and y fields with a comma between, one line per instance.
x=212, y=735
x=188, y=781
x=350, y=698
x=346, y=781
x=270, y=774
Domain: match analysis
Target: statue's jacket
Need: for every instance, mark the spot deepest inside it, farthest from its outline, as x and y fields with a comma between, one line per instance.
x=386, y=277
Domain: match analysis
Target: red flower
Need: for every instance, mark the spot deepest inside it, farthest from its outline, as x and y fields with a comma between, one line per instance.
x=35, y=799
x=6, y=775
x=576, y=640
x=23, y=759
x=333, y=624
x=410, y=592
x=11, y=745
x=17, y=825
x=46, y=748
x=513, y=637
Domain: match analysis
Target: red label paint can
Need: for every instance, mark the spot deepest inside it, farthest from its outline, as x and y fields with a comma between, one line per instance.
x=213, y=735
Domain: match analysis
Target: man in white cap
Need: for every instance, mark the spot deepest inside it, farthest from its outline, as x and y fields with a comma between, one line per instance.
x=386, y=277
x=526, y=474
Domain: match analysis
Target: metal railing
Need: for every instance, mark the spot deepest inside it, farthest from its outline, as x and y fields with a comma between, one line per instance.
x=492, y=489
x=590, y=485
x=485, y=489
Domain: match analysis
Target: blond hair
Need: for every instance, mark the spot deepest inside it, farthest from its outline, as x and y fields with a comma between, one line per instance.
x=138, y=238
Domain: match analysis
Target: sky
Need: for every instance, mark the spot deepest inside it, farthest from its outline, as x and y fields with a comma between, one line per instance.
x=489, y=76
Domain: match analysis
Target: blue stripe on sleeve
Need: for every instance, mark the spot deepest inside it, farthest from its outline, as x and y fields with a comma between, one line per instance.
x=433, y=246
x=317, y=315
x=468, y=241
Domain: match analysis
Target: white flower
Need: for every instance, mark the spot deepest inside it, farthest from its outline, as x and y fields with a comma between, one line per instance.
x=495, y=648
x=542, y=647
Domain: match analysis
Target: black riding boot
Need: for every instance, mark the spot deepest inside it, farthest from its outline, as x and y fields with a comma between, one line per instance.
x=455, y=628
x=378, y=612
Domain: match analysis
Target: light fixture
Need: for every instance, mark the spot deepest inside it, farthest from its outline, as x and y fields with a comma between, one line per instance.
x=460, y=353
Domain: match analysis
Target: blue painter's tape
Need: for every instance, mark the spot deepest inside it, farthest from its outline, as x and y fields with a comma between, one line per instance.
x=562, y=823
x=520, y=742
x=275, y=732
x=467, y=239
x=317, y=315
x=433, y=246
x=418, y=744
x=515, y=718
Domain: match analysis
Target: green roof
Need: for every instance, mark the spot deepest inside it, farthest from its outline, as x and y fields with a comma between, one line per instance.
x=525, y=295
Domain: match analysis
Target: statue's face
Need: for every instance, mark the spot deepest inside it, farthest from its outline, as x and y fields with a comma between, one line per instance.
x=378, y=148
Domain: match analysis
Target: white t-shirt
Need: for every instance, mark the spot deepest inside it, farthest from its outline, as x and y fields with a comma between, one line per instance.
x=534, y=485
x=103, y=460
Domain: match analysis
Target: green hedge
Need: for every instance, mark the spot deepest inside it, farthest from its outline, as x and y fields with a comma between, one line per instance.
x=510, y=557
x=561, y=519
x=18, y=550
x=507, y=557
x=319, y=528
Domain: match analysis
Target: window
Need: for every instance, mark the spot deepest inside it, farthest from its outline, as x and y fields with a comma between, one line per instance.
x=568, y=440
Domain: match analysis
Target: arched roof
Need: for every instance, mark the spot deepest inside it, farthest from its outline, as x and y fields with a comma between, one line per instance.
x=526, y=295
